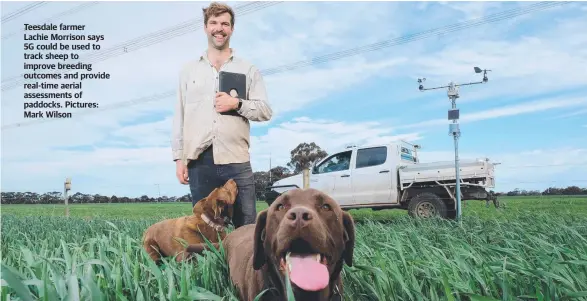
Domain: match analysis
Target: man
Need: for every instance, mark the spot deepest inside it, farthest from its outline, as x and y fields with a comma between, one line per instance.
x=211, y=130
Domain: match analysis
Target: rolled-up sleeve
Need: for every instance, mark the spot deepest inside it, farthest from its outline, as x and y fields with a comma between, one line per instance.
x=257, y=107
x=177, y=127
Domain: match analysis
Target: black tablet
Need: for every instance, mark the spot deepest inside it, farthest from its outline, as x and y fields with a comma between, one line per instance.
x=233, y=84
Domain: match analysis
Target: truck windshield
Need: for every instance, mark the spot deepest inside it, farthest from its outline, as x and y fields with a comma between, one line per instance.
x=408, y=155
x=338, y=162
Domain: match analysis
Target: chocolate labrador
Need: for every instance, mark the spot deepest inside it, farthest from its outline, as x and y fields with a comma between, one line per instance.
x=208, y=220
x=305, y=234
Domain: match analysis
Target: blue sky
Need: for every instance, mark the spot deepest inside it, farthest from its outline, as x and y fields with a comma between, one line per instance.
x=531, y=116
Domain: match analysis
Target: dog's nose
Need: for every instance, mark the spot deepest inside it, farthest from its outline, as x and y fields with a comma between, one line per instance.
x=299, y=216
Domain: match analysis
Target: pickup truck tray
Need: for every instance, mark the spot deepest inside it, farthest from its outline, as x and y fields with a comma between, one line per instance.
x=445, y=171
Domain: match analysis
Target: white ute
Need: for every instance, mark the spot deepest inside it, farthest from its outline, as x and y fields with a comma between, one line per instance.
x=390, y=176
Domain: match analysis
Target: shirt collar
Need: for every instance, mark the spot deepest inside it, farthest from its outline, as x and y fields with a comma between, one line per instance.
x=204, y=56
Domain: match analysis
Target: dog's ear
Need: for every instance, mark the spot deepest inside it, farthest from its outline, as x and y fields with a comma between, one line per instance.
x=232, y=197
x=259, y=256
x=212, y=197
x=203, y=203
x=349, y=235
x=232, y=188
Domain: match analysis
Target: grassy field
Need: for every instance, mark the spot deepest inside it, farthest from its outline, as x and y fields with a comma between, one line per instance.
x=534, y=249
x=514, y=205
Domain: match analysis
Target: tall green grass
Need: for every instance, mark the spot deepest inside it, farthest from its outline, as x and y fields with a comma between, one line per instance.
x=529, y=257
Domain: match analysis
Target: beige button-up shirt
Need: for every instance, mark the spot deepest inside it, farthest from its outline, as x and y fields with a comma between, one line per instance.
x=197, y=125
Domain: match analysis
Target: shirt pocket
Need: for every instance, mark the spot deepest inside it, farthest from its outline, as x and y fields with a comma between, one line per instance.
x=198, y=89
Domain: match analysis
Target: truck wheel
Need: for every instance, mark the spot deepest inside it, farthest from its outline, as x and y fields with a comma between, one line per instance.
x=426, y=205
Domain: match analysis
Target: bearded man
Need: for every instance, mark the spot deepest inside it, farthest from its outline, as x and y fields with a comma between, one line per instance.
x=211, y=129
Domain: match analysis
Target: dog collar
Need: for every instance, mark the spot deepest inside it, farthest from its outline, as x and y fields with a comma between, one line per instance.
x=212, y=224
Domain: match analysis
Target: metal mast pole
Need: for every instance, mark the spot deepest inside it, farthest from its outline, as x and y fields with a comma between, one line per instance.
x=453, y=114
x=453, y=94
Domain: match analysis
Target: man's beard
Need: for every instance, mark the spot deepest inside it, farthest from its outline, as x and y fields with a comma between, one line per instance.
x=219, y=45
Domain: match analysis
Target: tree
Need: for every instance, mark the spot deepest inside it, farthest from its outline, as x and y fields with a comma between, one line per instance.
x=516, y=192
x=304, y=156
x=262, y=179
x=261, y=182
x=278, y=173
x=572, y=190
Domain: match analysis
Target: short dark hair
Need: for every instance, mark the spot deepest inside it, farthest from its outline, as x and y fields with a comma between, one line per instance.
x=216, y=9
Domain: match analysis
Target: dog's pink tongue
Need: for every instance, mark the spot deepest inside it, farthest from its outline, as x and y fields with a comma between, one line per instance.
x=307, y=273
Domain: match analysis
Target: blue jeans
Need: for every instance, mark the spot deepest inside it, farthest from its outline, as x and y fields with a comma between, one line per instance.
x=204, y=176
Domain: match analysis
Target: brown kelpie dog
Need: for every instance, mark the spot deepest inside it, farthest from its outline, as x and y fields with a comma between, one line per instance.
x=207, y=221
x=304, y=234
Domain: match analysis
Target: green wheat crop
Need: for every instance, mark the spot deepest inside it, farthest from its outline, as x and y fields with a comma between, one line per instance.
x=533, y=256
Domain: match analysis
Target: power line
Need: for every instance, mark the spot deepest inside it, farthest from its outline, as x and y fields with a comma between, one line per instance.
x=60, y=15
x=22, y=11
x=338, y=55
x=508, y=14
x=148, y=39
x=181, y=29
x=145, y=40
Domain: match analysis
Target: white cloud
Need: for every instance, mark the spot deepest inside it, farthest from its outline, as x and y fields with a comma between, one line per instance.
x=506, y=111
x=524, y=108
x=122, y=168
x=472, y=10
x=328, y=134
x=146, y=134
x=135, y=171
x=137, y=74
x=529, y=65
x=575, y=112
x=313, y=84
x=533, y=169
x=127, y=149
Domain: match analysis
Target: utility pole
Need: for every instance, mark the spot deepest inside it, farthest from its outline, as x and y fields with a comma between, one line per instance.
x=66, y=188
x=269, y=167
x=454, y=130
x=159, y=190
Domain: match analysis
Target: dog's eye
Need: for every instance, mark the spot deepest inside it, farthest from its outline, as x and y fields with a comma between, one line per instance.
x=326, y=207
x=280, y=207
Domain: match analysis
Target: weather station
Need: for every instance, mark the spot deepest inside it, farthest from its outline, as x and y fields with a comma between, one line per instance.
x=454, y=130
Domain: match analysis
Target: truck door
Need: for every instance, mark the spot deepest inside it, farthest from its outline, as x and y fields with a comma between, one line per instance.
x=333, y=177
x=372, y=177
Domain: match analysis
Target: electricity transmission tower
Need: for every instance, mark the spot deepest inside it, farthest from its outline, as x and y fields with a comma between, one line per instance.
x=454, y=130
